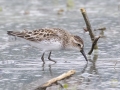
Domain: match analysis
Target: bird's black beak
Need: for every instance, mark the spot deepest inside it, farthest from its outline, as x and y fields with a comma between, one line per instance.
x=83, y=53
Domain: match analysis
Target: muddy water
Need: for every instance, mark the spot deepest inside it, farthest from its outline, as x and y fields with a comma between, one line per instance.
x=20, y=64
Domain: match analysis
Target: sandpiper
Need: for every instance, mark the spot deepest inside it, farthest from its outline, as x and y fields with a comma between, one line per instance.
x=49, y=39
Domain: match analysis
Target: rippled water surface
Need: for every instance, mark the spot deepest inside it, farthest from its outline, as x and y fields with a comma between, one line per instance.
x=21, y=65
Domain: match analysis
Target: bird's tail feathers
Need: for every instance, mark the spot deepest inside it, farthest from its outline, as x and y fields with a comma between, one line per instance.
x=10, y=33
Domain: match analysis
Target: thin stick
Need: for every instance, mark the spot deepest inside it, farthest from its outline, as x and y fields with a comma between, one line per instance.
x=54, y=80
x=93, y=45
x=83, y=11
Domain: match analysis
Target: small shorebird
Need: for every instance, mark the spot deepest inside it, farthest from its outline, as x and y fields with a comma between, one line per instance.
x=48, y=39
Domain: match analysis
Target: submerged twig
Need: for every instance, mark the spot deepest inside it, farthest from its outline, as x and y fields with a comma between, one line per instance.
x=85, y=29
x=54, y=80
x=103, y=28
x=93, y=45
x=115, y=64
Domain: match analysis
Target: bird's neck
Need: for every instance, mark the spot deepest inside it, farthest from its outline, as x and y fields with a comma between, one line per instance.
x=67, y=42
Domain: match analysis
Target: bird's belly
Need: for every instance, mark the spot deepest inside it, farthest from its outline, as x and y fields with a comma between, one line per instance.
x=44, y=45
x=47, y=45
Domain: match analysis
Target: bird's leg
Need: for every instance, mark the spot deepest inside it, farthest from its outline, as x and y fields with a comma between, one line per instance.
x=50, y=58
x=42, y=58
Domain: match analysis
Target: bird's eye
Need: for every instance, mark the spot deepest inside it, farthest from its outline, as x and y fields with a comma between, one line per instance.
x=79, y=45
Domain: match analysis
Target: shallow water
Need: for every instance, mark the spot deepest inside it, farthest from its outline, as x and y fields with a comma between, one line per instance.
x=20, y=64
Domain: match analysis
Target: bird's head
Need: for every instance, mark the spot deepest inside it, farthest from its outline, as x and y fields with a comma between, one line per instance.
x=77, y=44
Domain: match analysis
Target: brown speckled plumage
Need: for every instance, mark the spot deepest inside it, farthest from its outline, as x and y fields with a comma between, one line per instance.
x=43, y=34
x=51, y=39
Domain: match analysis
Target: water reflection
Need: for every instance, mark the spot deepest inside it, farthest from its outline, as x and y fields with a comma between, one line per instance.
x=50, y=68
x=84, y=75
x=93, y=64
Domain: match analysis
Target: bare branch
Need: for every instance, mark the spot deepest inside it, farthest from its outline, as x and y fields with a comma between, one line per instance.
x=89, y=28
x=54, y=80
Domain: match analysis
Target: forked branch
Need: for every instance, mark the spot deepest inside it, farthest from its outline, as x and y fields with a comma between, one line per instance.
x=89, y=29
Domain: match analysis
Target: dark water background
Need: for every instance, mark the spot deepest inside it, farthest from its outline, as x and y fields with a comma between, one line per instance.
x=21, y=65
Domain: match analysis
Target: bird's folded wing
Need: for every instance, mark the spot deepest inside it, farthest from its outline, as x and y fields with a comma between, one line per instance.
x=35, y=35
